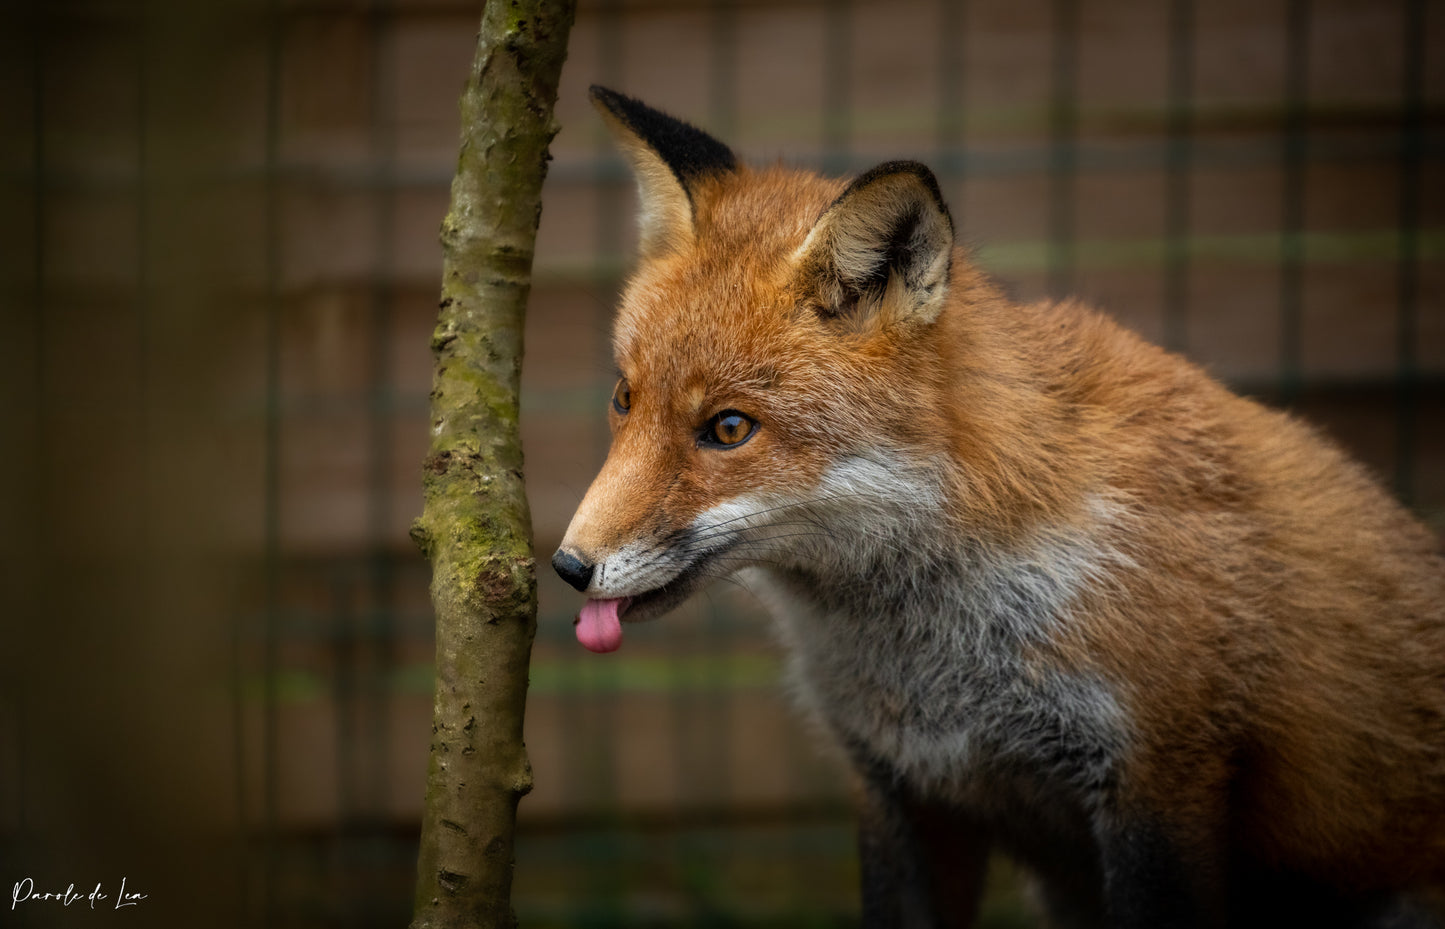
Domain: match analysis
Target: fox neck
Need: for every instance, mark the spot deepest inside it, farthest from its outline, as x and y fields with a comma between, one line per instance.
x=938, y=655
x=885, y=543
x=1017, y=458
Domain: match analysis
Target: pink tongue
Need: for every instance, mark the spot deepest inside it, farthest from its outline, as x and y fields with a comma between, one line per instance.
x=598, y=626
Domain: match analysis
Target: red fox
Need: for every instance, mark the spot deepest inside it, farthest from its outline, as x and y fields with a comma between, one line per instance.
x=1053, y=590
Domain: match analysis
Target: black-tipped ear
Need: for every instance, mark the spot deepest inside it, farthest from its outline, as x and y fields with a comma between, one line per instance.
x=885, y=243
x=689, y=152
x=668, y=158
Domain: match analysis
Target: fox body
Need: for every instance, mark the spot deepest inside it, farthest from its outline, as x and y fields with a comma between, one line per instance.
x=1052, y=589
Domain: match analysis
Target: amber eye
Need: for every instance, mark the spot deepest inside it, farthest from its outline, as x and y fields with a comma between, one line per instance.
x=622, y=397
x=729, y=429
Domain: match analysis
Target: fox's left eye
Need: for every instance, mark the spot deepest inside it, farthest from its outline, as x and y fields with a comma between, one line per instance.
x=729, y=429
x=622, y=396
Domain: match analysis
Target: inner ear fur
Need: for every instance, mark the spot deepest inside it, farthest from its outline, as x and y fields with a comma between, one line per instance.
x=668, y=158
x=886, y=241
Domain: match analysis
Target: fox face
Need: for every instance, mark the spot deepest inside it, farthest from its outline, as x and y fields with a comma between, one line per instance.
x=771, y=351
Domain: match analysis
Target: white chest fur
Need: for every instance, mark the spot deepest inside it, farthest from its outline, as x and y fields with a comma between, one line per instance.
x=946, y=708
x=926, y=653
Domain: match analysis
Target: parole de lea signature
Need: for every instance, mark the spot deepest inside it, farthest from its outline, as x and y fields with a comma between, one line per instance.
x=26, y=892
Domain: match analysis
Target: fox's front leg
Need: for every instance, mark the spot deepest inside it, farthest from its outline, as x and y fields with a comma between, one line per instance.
x=922, y=863
x=1150, y=884
x=1164, y=840
x=1164, y=853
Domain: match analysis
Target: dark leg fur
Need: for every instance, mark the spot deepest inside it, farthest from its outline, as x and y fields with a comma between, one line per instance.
x=1148, y=884
x=922, y=864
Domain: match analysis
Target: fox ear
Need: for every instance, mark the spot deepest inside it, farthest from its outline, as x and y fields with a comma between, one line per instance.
x=668, y=158
x=886, y=241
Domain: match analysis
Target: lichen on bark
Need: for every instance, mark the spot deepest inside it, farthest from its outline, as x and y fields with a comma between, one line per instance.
x=475, y=527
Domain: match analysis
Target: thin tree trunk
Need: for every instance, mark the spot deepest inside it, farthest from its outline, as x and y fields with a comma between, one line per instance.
x=475, y=527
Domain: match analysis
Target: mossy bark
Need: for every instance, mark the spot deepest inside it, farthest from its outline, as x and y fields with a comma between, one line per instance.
x=475, y=526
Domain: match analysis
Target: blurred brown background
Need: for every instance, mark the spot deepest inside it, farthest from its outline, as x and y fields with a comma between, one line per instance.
x=220, y=268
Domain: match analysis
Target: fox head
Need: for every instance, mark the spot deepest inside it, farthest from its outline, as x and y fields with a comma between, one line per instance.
x=777, y=351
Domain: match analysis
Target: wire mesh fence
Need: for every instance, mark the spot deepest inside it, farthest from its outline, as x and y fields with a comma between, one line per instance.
x=223, y=273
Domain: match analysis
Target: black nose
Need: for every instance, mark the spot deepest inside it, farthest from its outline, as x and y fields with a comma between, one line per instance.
x=573, y=570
